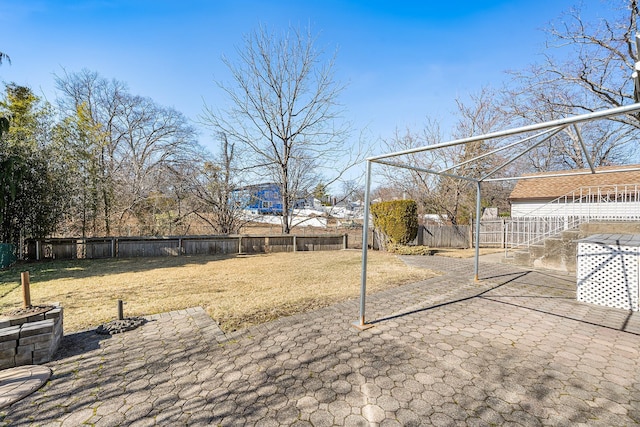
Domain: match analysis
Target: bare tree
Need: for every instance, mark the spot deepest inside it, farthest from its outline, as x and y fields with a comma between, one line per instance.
x=417, y=185
x=386, y=192
x=453, y=199
x=125, y=147
x=285, y=114
x=154, y=142
x=91, y=104
x=351, y=190
x=213, y=186
x=586, y=66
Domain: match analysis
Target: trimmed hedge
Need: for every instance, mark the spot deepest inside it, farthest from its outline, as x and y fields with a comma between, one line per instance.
x=397, y=220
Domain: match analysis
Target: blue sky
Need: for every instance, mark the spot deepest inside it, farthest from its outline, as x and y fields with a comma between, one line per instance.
x=402, y=61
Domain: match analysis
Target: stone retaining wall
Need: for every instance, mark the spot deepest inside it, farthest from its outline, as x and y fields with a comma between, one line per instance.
x=30, y=340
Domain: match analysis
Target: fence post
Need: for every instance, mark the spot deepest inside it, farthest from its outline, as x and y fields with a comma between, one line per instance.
x=26, y=291
x=344, y=241
x=295, y=244
x=37, y=250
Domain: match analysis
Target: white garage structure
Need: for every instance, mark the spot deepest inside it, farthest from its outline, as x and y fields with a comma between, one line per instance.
x=610, y=196
x=511, y=144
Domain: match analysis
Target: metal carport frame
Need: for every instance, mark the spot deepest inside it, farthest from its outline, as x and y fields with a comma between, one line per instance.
x=547, y=130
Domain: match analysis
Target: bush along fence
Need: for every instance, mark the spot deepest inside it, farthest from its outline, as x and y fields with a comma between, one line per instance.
x=131, y=247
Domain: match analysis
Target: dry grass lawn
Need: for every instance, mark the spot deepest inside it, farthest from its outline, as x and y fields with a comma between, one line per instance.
x=236, y=291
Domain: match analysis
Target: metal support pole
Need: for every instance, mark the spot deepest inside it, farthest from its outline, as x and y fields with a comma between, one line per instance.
x=120, y=310
x=529, y=128
x=361, y=324
x=584, y=148
x=476, y=267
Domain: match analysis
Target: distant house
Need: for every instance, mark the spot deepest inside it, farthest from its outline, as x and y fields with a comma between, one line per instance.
x=613, y=195
x=263, y=198
x=260, y=198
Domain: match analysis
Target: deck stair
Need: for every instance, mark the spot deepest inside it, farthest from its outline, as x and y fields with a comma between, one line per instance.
x=558, y=252
x=619, y=202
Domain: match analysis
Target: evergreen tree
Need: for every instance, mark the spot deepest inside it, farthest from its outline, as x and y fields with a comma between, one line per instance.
x=30, y=193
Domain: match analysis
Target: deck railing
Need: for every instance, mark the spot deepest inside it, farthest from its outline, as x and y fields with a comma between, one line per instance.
x=618, y=202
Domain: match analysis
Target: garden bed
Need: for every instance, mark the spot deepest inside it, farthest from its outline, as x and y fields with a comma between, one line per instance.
x=30, y=336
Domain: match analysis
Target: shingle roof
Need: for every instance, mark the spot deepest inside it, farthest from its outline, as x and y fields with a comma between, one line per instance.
x=552, y=187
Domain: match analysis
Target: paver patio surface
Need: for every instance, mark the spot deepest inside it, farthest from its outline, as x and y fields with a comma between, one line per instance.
x=513, y=349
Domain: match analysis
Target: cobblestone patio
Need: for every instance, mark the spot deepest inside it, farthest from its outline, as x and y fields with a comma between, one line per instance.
x=513, y=349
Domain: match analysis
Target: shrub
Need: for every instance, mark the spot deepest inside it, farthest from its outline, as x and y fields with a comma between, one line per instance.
x=397, y=220
x=410, y=250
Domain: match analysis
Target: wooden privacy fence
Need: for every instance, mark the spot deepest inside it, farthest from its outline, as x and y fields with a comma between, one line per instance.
x=444, y=236
x=131, y=247
x=436, y=236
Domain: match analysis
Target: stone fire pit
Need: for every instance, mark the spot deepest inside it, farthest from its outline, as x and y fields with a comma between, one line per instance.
x=30, y=336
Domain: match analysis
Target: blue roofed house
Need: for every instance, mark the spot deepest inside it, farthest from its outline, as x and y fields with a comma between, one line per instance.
x=259, y=198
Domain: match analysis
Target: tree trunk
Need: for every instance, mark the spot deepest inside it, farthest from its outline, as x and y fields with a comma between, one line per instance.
x=286, y=223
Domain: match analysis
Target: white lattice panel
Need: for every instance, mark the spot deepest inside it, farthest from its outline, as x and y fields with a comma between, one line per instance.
x=607, y=271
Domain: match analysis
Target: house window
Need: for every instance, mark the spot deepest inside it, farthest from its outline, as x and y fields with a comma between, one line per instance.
x=267, y=205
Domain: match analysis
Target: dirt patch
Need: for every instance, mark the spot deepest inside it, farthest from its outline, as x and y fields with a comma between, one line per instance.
x=34, y=310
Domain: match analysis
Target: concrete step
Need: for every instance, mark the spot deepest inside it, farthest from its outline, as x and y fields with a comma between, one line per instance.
x=509, y=259
x=522, y=258
x=559, y=252
x=553, y=246
x=536, y=251
x=570, y=235
x=556, y=253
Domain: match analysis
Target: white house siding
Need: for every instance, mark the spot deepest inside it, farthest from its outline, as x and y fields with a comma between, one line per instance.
x=610, y=210
x=298, y=219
